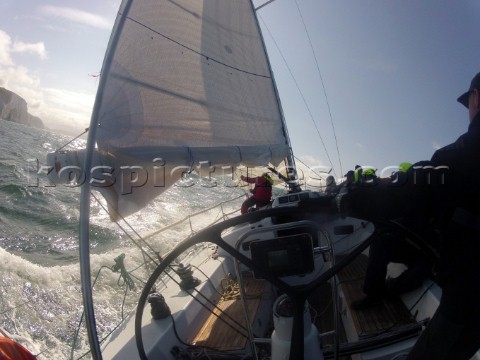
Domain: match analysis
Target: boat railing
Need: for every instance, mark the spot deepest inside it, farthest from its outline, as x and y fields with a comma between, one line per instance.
x=225, y=212
x=188, y=218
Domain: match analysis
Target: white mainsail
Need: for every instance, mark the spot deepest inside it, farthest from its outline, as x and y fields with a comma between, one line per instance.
x=189, y=83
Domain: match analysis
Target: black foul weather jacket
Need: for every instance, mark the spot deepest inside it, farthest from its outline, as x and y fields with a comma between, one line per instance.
x=440, y=201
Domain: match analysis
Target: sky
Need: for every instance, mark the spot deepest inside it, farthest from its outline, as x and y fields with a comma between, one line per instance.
x=362, y=82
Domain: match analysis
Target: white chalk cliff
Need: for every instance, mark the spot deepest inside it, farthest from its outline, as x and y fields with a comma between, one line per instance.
x=14, y=108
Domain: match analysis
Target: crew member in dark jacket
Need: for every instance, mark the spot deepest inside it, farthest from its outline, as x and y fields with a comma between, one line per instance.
x=261, y=193
x=454, y=331
x=393, y=247
x=442, y=197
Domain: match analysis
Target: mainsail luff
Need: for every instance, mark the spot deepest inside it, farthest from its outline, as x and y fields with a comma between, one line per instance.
x=84, y=243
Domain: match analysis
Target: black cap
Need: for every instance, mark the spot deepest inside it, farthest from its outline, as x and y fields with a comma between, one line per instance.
x=475, y=84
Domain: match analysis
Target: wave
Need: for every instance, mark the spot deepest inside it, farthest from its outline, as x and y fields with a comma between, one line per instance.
x=40, y=291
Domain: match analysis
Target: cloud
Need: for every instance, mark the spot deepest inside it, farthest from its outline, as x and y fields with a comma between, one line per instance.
x=7, y=47
x=76, y=15
x=309, y=163
x=12, y=76
x=17, y=77
x=63, y=107
x=58, y=108
x=311, y=171
x=37, y=48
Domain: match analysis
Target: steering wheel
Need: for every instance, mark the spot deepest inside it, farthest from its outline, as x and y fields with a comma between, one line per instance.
x=299, y=294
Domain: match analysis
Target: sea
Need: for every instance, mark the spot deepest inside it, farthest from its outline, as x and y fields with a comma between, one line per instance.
x=40, y=288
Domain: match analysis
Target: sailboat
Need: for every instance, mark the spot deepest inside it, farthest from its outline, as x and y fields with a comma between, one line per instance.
x=186, y=86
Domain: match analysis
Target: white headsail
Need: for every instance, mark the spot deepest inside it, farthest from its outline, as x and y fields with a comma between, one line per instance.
x=189, y=83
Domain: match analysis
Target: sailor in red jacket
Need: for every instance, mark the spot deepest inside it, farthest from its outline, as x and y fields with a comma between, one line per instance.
x=262, y=192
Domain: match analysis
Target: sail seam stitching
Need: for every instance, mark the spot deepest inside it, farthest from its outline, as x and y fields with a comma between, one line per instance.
x=198, y=52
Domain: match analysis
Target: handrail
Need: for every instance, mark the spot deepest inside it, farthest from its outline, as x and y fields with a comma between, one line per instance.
x=188, y=217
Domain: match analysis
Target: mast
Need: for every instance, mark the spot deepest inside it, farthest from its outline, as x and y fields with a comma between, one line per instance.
x=292, y=179
x=84, y=246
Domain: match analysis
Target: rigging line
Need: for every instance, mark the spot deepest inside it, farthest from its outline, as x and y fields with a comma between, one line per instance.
x=77, y=331
x=198, y=52
x=323, y=84
x=75, y=138
x=300, y=91
x=265, y=4
x=142, y=250
x=308, y=167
